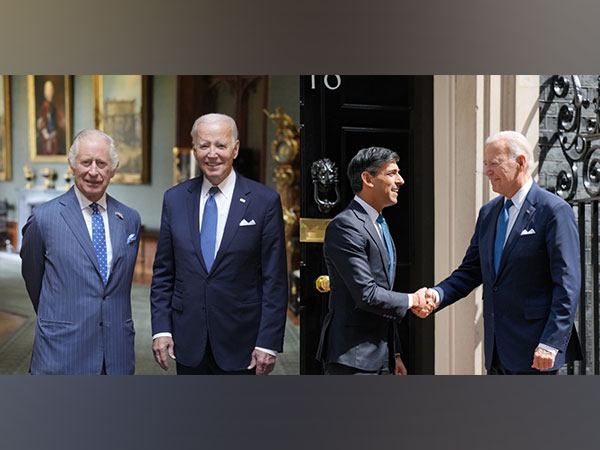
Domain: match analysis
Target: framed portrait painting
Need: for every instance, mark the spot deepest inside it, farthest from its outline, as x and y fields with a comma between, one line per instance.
x=121, y=111
x=5, y=148
x=50, y=123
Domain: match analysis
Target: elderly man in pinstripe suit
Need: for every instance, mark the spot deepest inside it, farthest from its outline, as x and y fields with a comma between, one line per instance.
x=79, y=253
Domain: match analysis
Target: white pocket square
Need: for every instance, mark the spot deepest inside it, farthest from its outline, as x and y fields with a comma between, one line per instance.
x=245, y=223
x=527, y=232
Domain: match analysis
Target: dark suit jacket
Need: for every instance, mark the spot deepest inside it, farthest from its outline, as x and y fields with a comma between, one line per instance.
x=241, y=303
x=534, y=296
x=80, y=322
x=359, y=329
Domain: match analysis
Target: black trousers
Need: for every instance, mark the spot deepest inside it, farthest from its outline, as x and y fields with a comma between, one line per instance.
x=497, y=368
x=208, y=366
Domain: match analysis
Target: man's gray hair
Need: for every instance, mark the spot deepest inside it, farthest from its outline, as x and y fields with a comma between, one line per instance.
x=368, y=160
x=91, y=133
x=517, y=145
x=211, y=118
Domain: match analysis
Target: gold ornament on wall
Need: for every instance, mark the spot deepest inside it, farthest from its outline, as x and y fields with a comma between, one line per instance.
x=286, y=145
x=68, y=176
x=49, y=176
x=285, y=149
x=29, y=176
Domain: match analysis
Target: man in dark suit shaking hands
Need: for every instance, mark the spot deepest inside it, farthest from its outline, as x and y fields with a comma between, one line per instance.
x=219, y=289
x=525, y=251
x=359, y=334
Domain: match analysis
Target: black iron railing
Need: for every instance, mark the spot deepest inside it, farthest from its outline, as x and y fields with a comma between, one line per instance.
x=578, y=134
x=588, y=314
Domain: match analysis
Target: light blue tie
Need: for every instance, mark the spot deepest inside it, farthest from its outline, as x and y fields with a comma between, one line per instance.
x=99, y=240
x=387, y=240
x=208, y=233
x=501, y=227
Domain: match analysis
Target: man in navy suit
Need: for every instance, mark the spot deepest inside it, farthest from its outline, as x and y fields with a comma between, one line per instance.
x=79, y=253
x=359, y=335
x=219, y=289
x=525, y=251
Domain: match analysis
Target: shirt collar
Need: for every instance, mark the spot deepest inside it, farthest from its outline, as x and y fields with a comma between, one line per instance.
x=85, y=203
x=226, y=186
x=521, y=194
x=372, y=212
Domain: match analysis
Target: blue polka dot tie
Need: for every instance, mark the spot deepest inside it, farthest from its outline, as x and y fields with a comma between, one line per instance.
x=208, y=233
x=387, y=240
x=99, y=240
x=501, y=227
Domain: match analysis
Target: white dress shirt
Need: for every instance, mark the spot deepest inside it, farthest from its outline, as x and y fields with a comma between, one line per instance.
x=223, y=201
x=87, y=212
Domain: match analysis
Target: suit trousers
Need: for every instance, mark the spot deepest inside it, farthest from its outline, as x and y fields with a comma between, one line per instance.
x=208, y=366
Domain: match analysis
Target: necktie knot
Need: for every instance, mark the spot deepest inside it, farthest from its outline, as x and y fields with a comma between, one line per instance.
x=380, y=219
x=95, y=208
x=213, y=190
x=508, y=204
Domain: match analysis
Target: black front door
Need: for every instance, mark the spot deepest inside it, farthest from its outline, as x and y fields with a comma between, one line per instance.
x=339, y=115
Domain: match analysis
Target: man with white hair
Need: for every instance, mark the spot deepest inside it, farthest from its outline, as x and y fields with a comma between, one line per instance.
x=525, y=251
x=219, y=288
x=79, y=253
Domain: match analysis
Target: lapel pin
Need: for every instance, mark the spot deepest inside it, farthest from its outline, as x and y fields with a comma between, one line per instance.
x=119, y=215
x=242, y=200
x=527, y=212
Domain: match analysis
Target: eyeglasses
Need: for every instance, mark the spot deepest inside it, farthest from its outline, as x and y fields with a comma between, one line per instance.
x=495, y=164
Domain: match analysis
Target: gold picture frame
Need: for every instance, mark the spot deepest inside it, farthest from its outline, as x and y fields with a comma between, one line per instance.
x=5, y=143
x=50, y=118
x=121, y=111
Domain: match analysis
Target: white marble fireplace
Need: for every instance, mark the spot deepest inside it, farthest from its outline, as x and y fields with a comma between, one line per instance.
x=27, y=200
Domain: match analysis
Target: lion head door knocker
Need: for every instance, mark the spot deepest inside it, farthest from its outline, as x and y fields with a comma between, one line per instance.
x=324, y=174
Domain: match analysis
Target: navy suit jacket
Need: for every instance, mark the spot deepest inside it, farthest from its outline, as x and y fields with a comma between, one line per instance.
x=241, y=303
x=534, y=295
x=359, y=330
x=80, y=321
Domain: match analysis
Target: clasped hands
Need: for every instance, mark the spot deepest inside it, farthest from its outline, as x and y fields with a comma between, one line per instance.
x=423, y=302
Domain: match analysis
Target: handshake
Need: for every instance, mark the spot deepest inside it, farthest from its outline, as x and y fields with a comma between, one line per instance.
x=423, y=302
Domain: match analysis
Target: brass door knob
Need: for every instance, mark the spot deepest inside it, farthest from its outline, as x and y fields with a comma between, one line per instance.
x=322, y=284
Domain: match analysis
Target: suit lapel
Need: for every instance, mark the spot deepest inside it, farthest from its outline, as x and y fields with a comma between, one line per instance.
x=72, y=215
x=242, y=196
x=116, y=227
x=193, y=209
x=372, y=232
x=393, y=275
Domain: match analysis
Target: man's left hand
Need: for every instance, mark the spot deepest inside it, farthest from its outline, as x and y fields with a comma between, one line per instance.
x=542, y=359
x=400, y=367
x=263, y=362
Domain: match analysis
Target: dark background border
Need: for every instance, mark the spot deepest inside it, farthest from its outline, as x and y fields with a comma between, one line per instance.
x=282, y=37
